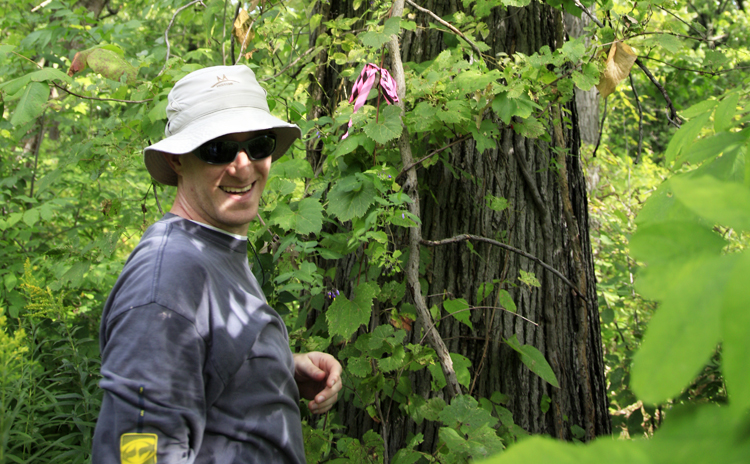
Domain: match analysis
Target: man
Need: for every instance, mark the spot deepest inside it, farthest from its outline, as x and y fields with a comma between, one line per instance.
x=196, y=367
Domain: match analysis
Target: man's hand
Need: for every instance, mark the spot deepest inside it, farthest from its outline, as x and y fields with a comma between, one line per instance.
x=318, y=376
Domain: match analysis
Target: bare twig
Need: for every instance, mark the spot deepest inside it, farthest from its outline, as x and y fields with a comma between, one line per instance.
x=477, y=238
x=285, y=68
x=678, y=18
x=640, y=120
x=488, y=307
x=41, y=5
x=39, y=139
x=97, y=98
x=601, y=129
x=672, y=111
x=415, y=233
x=166, y=33
x=588, y=13
x=446, y=24
x=243, y=46
x=421, y=160
x=156, y=197
x=697, y=71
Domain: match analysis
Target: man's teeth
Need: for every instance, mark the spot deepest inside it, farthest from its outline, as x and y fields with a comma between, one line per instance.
x=237, y=189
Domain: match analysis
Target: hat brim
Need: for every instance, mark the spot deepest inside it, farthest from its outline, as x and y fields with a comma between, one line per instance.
x=214, y=125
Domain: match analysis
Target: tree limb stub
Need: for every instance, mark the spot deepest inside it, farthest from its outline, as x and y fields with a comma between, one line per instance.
x=477, y=238
x=415, y=233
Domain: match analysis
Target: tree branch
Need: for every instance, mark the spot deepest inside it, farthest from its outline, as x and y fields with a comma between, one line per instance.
x=421, y=160
x=446, y=24
x=415, y=233
x=166, y=33
x=672, y=111
x=285, y=68
x=640, y=120
x=97, y=98
x=477, y=238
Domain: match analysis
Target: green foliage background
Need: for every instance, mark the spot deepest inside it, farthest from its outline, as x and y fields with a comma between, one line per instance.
x=75, y=200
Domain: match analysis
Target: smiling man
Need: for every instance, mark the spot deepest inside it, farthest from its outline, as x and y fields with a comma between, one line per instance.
x=196, y=366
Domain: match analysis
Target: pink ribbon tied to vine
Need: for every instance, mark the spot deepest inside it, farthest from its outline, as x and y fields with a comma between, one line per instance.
x=364, y=83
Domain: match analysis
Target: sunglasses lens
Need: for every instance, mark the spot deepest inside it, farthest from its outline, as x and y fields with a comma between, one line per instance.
x=260, y=147
x=225, y=151
x=218, y=152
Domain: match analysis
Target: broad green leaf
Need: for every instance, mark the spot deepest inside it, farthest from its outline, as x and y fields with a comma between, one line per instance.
x=684, y=332
x=530, y=128
x=111, y=65
x=712, y=146
x=458, y=308
x=49, y=74
x=574, y=49
x=465, y=414
x=714, y=58
x=351, y=197
x=534, y=360
x=587, y=80
x=725, y=203
x=345, y=316
x=735, y=327
x=528, y=278
x=31, y=216
x=31, y=104
x=504, y=107
x=706, y=106
x=496, y=203
x=685, y=135
x=516, y=3
x=725, y=112
x=158, y=111
x=461, y=366
x=10, y=281
x=456, y=112
x=662, y=206
x=667, y=242
x=670, y=43
x=388, y=126
x=506, y=301
x=347, y=145
x=297, y=168
x=307, y=219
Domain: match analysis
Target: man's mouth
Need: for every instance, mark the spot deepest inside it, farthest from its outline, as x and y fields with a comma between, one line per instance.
x=238, y=190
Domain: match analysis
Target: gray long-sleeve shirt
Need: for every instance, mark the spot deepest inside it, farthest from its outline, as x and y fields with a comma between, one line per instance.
x=196, y=366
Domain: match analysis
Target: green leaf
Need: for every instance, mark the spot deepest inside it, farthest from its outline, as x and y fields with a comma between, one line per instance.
x=458, y=308
x=699, y=108
x=388, y=126
x=297, y=168
x=684, y=332
x=735, y=327
x=670, y=43
x=345, y=316
x=496, y=203
x=158, y=111
x=456, y=112
x=50, y=74
x=584, y=81
x=725, y=203
x=306, y=219
x=726, y=111
x=529, y=278
x=534, y=360
x=31, y=104
x=506, y=301
x=712, y=146
x=111, y=65
x=351, y=197
x=31, y=216
x=685, y=135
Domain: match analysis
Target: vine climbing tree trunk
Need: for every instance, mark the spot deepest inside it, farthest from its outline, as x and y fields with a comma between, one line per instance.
x=547, y=218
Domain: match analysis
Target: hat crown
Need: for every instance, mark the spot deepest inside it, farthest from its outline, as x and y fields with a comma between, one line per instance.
x=209, y=90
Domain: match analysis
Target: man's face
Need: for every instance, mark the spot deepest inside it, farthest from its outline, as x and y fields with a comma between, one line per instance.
x=224, y=196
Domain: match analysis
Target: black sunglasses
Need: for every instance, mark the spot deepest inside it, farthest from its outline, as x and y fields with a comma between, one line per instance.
x=225, y=151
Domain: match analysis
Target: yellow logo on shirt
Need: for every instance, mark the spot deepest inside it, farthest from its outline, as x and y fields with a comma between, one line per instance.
x=138, y=448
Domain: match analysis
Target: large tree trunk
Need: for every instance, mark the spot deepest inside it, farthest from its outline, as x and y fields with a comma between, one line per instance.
x=547, y=218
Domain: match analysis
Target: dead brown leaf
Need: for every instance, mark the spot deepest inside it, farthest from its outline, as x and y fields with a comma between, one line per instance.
x=619, y=61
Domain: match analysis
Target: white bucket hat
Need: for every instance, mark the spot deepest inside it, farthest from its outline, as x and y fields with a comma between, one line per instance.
x=209, y=103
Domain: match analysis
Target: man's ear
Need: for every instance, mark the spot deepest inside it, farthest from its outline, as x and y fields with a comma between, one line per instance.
x=174, y=161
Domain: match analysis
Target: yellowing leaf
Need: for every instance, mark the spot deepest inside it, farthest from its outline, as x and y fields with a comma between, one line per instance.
x=619, y=61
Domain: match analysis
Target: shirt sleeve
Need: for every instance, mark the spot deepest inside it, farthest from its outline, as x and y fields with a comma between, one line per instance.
x=154, y=397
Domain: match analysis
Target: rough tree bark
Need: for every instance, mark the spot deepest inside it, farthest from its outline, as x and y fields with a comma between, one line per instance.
x=548, y=218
